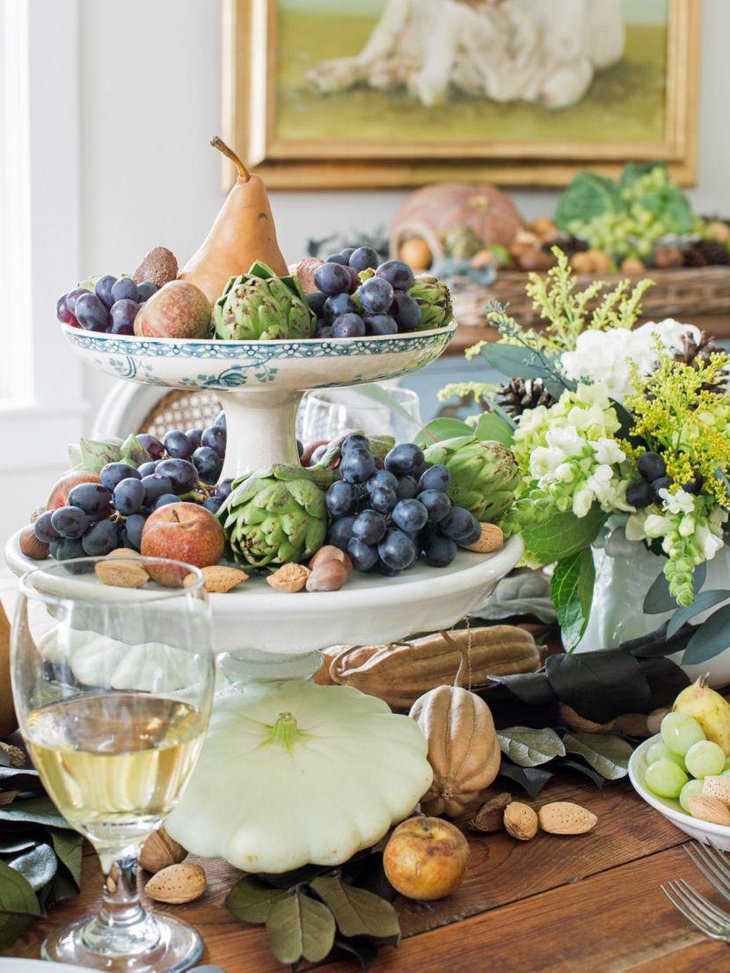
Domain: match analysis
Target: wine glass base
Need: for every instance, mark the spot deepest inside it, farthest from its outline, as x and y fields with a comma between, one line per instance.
x=178, y=948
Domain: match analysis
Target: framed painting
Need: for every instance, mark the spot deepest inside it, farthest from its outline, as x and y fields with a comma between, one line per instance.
x=326, y=93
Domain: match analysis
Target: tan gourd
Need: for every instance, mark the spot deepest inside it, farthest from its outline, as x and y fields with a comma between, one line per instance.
x=243, y=232
x=399, y=673
x=8, y=719
x=463, y=748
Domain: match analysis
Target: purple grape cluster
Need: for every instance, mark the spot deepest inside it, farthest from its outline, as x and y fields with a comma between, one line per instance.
x=101, y=517
x=388, y=515
x=110, y=307
x=359, y=296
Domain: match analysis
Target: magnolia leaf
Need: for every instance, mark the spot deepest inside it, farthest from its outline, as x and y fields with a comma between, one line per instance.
x=528, y=747
x=563, y=534
x=363, y=949
x=600, y=685
x=710, y=639
x=37, y=866
x=567, y=763
x=356, y=911
x=703, y=601
x=251, y=899
x=658, y=600
x=572, y=593
x=532, y=779
x=19, y=906
x=299, y=927
x=491, y=426
x=34, y=810
x=133, y=452
x=69, y=846
x=438, y=430
x=532, y=688
x=605, y=752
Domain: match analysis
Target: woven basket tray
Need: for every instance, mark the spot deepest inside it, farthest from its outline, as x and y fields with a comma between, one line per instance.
x=183, y=410
x=682, y=294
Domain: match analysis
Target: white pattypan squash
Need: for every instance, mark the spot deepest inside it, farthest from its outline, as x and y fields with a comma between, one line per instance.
x=293, y=773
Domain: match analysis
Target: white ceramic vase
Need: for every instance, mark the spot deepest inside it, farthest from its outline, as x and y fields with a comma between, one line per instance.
x=625, y=570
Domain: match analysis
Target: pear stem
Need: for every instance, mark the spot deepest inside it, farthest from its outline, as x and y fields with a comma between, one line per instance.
x=228, y=152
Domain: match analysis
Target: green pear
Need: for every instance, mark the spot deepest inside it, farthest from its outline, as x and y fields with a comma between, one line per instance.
x=710, y=709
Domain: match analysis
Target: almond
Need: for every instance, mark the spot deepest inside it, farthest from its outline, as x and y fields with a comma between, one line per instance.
x=31, y=547
x=564, y=817
x=490, y=815
x=124, y=552
x=177, y=884
x=121, y=574
x=491, y=539
x=160, y=851
x=718, y=787
x=289, y=578
x=710, y=809
x=329, y=575
x=520, y=821
x=218, y=579
x=329, y=553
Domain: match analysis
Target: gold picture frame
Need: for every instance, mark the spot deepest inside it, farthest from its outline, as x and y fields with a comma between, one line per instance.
x=250, y=107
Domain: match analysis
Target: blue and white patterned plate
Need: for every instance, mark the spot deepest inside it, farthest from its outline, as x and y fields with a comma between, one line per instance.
x=228, y=365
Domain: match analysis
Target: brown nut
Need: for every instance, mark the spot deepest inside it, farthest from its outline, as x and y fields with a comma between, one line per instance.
x=31, y=547
x=582, y=263
x=160, y=850
x=289, y=578
x=544, y=227
x=120, y=574
x=520, y=821
x=632, y=265
x=218, y=579
x=177, y=884
x=601, y=263
x=329, y=575
x=490, y=816
x=329, y=553
x=565, y=817
x=492, y=538
x=710, y=809
x=536, y=259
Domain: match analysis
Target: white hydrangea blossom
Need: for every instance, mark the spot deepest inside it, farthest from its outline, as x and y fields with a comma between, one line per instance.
x=605, y=356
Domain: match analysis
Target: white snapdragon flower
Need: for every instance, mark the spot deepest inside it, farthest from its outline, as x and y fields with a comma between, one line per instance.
x=608, y=451
x=679, y=502
x=582, y=501
x=708, y=543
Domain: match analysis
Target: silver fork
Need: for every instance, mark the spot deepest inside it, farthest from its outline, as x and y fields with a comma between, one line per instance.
x=713, y=865
x=710, y=920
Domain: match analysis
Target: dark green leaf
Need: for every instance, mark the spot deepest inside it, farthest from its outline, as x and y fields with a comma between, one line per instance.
x=658, y=600
x=563, y=534
x=529, y=747
x=710, y=639
x=363, y=949
x=437, y=430
x=37, y=866
x=19, y=906
x=493, y=427
x=251, y=899
x=703, y=601
x=605, y=752
x=572, y=594
x=532, y=688
x=600, y=685
x=299, y=927
x=532, y=779
x=566, y=763
x=34, y=810
x=356, y=911
x=69, y=846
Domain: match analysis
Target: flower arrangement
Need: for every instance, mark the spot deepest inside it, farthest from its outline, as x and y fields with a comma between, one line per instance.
x=603, y=418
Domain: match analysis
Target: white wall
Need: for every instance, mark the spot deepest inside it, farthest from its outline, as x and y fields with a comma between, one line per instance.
x=150, y=102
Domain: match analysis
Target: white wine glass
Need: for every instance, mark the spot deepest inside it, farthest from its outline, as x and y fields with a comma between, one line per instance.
x=327, y=413
x=113, y=671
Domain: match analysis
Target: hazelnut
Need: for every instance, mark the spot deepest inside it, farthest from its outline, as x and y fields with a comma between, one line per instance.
x=330, y=553
x=160, y=850
x=31, y=547
x=329, y=575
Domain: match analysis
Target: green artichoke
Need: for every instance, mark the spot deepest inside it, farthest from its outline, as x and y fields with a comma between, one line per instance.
x=274, y=516
x=434, y=300
x=484, y=474
x=259, y=306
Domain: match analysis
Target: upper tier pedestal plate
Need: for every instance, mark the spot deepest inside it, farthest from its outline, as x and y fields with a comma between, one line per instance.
x=261, y=634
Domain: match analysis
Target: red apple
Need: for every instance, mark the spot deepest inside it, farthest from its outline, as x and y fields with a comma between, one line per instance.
x=182, y=532
x=425, y=858
x=59, y=494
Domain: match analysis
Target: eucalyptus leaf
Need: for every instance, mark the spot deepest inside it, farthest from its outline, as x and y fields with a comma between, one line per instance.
x=251, y=899
x=523, y=361
x=703, y=601
x=491, y=426
x=531, y=779
x=356, y=911
x=658, y=600
x=11, y=845
x=605, y=752
x=710, y=639
x=69, y=847
x=563, y=534
x=600, y=685
x=299, y=927
x=437, y=430
x=37, y=866
x=363, y=949
x=528, y=747
x=34, y=810
x=572, y=593
x=19, y=906
x=19, y=779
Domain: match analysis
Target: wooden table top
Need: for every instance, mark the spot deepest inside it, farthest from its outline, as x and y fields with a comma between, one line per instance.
x=589, y=903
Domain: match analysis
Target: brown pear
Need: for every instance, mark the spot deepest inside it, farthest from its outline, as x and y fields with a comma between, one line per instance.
x=243, y=233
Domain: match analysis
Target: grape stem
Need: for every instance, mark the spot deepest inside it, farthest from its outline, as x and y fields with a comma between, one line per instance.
x=228, y=152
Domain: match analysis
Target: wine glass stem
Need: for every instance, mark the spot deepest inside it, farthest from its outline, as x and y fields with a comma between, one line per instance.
x=122, y=924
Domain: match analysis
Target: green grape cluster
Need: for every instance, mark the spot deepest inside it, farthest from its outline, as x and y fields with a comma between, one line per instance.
x=678, y=762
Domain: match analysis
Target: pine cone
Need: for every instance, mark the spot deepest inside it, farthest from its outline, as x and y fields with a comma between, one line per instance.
x=568, y=244
x=520, y=395
x=696, y=353
x=707, y=253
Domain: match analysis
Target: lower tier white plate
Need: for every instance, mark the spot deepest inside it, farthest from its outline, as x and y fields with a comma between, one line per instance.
x=370, y=609
x=38, y=966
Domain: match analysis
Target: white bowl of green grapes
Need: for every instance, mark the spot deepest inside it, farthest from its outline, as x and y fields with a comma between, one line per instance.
x=678, y=764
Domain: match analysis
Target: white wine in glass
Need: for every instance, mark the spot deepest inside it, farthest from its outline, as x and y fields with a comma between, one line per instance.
x=113, y=688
